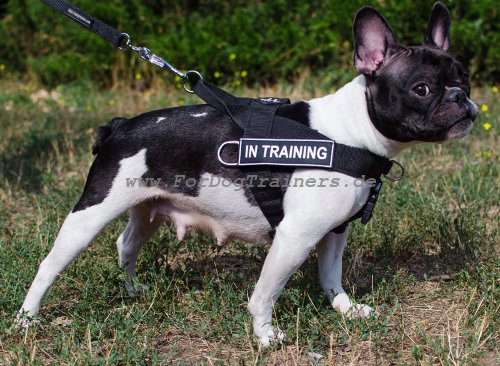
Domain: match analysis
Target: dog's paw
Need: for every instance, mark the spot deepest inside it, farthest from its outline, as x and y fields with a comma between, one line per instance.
x=24, y=320
x=273, y=336
x=267, y=334
x=359, y=311
x=134, y=287
x=343, y=304
x=133, y=290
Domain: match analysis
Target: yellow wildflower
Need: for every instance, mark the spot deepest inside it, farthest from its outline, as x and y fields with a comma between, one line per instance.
x=232, y=56
x=484, y=108
x=494, y=89
x=487, y=126
x=138, y=76
x=244, y=74
x=178, y=78
x=2, y=67
x=217, y=74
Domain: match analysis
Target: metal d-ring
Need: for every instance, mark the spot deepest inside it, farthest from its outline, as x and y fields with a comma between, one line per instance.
x=186, y=79
x=221, y=147
x=397, y=179
x=127, y=42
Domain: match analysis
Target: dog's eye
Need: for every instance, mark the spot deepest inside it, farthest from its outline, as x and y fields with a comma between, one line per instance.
x=422, y=90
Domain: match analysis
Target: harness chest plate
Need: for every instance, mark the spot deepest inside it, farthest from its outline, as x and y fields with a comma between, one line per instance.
x=271, y=141
x=281, y=152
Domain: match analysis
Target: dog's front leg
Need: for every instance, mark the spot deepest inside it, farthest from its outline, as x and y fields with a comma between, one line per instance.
x=289, y=250
x=330, y=251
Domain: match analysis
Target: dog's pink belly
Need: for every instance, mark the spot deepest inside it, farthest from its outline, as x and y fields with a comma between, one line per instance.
x=185, y=217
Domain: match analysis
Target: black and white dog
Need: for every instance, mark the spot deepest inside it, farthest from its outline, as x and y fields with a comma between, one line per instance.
x=404, y=95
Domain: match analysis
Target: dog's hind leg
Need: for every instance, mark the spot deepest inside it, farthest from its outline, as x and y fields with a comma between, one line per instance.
x=330, y=251
x=97, y=207
x=77, y=231
x=140, y=227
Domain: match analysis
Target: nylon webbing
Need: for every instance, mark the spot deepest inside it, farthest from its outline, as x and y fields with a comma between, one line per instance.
x=259, y=125
x=224, y=102
x=109, y=34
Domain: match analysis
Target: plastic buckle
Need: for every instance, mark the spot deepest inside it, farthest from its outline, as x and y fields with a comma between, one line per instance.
x=370, y=204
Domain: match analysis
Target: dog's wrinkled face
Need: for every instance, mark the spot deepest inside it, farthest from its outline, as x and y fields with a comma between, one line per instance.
x=414, y=93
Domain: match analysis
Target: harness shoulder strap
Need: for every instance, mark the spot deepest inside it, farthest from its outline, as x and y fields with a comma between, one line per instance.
x=259, y=124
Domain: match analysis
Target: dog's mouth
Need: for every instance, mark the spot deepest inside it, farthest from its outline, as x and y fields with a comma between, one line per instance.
x=462, y=126
x=459, y=128
x=455, y=130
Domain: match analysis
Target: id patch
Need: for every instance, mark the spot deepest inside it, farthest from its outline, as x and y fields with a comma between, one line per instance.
x=286, y=152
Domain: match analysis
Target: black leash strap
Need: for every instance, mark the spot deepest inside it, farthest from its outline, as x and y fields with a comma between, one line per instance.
x=109, y=34
x=120, y=40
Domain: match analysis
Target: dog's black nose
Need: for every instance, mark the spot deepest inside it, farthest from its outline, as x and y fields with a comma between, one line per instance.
x=472, y=110
x=457, y=95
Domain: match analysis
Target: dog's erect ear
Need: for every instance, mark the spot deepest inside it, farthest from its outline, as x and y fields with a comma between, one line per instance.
x=438, y=30
x=373, y=39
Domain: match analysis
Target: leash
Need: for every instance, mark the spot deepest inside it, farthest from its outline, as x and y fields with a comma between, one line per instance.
x=262, y=126
x=120, y=40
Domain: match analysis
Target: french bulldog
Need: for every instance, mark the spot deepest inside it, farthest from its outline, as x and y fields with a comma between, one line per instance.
x=403, y=95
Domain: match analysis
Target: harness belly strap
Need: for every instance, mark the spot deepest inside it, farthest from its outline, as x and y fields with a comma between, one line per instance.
x=260, y=123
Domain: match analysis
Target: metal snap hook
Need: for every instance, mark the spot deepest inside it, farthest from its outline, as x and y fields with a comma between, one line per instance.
x=219, y=152
x=401, y=176
x=186, y=79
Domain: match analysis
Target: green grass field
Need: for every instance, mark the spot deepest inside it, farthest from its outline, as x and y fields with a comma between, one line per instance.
x=428, y=262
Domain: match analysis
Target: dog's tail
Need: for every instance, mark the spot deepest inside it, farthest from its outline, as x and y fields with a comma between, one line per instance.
x=105, y=132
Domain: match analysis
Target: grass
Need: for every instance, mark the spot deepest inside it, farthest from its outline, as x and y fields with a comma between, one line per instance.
x=428, y=262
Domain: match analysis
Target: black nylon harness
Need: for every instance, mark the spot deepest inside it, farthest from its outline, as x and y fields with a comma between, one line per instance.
x=259, y=121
